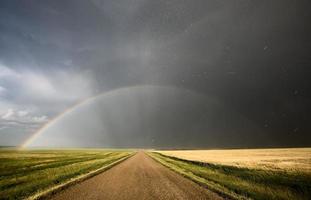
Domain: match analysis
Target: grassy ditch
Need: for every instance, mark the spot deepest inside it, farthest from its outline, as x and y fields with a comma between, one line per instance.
x=28, y=172
x=242, y=183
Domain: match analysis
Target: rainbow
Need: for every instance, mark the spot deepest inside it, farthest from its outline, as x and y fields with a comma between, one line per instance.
x=29, y=140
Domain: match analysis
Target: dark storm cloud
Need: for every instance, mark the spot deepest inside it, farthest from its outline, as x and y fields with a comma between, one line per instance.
x=151, y=116
x=253, y=56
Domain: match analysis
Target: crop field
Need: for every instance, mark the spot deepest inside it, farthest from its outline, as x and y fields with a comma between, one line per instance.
x=245, y=174
x=26, y=173
x=273, y=159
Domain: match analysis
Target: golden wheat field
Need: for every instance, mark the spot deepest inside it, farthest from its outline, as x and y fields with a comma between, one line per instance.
x=280, y=159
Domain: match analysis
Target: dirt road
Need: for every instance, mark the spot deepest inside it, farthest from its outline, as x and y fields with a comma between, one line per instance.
x=139, y=177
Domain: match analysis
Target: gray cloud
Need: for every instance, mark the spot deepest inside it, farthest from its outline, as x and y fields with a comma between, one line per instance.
x=150, y=116
x=251, y=56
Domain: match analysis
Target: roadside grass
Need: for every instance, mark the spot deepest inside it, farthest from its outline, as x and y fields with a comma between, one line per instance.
x=242, y=183
x=24, y=173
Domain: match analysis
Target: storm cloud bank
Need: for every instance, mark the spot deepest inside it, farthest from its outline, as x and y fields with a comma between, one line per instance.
x=150, y=116
x=250, y=57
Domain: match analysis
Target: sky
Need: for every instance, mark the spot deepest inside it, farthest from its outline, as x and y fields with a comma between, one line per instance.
x=158, y=74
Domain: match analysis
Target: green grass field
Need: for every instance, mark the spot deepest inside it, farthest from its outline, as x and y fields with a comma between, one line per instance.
x=25, y=173
x=242, y=182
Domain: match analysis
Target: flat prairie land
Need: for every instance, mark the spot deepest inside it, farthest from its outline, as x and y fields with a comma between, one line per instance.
x=298, y=159
x=226, y=174
x=247, y=173
x=25, y=173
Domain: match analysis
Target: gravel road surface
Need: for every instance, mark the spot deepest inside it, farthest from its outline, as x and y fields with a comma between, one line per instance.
x=139, y=177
